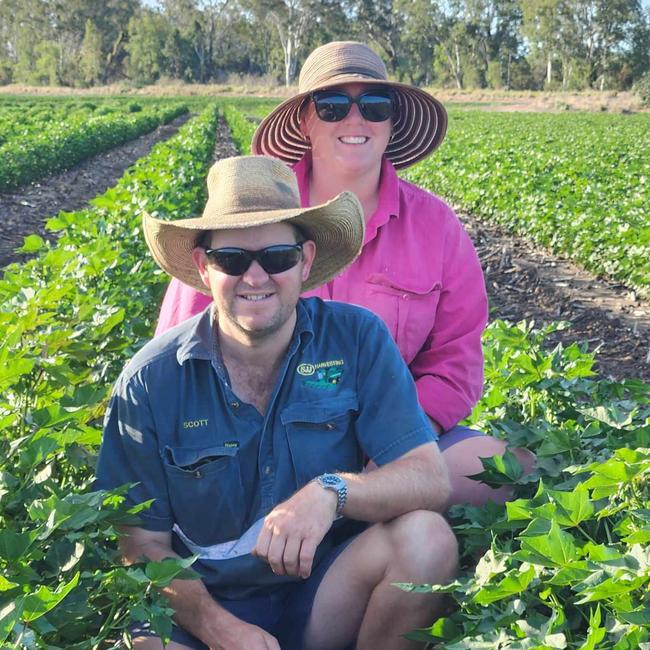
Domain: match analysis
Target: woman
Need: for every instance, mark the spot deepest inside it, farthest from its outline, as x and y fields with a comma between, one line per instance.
x=350, y=128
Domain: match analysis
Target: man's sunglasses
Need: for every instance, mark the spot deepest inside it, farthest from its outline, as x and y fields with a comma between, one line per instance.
x=273, y=259
x=334, y=105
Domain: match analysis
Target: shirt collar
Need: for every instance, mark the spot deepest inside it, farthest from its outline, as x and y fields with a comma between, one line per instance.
x=387, y=206
x=199, y=341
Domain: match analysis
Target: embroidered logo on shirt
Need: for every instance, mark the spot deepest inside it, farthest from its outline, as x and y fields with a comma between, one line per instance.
x=326, y=374
x=308, y=369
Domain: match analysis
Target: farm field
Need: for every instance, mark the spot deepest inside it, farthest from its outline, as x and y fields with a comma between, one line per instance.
x=563, y=566
x=36, y=141
x=576, y=184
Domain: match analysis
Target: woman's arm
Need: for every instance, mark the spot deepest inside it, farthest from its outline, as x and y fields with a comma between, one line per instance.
x=448, y=370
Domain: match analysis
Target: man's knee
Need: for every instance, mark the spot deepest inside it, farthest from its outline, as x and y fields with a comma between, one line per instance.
x=423, y=542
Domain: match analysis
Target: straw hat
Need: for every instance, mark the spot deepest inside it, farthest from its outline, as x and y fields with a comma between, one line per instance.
x=419, y=124
x=248, y=191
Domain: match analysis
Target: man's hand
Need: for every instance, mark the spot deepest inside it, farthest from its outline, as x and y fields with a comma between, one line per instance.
x=293, y=530
x=244, y=636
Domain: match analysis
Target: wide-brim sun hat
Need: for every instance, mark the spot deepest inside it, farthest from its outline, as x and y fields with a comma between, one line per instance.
x=249, y=191
x=419, y=122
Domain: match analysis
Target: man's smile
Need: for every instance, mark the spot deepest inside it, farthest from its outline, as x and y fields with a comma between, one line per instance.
x=255, y=297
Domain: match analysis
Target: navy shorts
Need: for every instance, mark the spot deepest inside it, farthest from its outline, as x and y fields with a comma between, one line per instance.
x=457, y=434
x=284, y=613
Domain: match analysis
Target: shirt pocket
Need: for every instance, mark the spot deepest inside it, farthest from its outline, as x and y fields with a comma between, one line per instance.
x=321, y=437
x=206, y=492
x=407, y=307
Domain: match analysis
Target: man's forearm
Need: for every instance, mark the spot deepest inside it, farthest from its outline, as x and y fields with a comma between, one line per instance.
x=418, y=481
x=195, y=609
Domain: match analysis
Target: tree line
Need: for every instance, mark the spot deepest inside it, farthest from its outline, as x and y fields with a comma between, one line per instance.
x=512, y=44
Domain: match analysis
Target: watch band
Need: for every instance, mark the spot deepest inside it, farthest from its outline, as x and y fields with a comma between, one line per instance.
x=337, y=484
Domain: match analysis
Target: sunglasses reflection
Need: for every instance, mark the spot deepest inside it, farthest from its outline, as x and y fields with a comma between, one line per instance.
x=334, y=105
x=273, y=259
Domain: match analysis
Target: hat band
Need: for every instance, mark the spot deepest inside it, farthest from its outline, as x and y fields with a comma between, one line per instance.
x=243, y=205
x=348, y=70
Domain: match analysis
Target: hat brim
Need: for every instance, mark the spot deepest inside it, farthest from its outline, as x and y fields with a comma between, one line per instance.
x=336, y=227
x=419, y=125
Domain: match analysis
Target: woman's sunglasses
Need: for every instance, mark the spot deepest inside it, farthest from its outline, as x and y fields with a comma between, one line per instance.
x=334, y=105
x=273, y=259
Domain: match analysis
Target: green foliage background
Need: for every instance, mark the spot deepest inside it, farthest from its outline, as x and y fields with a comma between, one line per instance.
x=518, y=44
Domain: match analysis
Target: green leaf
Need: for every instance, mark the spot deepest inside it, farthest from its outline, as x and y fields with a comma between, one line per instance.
x=557, y=548
x=575, y=506
x=617, y=416
x=163, y=572
x=609, y=588
x=595, y=633
x=444, y=628
x=12, y=370
x=515, y=582
x=500, y=470
x=31, y=244
x=519, y=510
x=55, y=414
x=44, y=599
x=641, y=536
x=637, y=617
x=6, y=585
x=13, y=545
x=10, y=614
x=571, y=575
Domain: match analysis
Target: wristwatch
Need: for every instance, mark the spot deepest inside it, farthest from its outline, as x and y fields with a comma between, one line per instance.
x=335, y=483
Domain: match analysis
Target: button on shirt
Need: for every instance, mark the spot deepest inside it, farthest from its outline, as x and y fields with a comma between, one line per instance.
x=215, y=467
x=419, y=272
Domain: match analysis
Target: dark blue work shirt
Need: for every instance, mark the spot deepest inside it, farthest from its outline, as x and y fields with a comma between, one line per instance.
x=215, y=467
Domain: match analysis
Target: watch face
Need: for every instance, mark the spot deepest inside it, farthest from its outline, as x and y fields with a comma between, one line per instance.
x=330, y=479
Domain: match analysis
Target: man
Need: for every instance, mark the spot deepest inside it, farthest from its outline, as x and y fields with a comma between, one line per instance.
x=249, y=425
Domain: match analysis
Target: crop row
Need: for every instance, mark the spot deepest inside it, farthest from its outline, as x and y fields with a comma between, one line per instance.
x=70, y=318
x=22, y=118
x=58, y=146
x=576, y=184
x=241, y=128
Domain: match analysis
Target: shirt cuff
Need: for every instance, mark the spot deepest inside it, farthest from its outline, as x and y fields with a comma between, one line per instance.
x=441, y=402
x=403, y=445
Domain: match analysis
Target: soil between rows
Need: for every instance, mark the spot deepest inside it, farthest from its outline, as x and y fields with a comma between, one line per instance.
x=526, y=283
x=25, y=210
x=523, y=282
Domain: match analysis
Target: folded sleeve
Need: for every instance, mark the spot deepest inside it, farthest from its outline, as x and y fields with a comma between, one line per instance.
x=448, y=370
x=180, y=303
x=390, y=421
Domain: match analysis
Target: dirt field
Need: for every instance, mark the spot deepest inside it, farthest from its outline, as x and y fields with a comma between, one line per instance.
x=522, y=281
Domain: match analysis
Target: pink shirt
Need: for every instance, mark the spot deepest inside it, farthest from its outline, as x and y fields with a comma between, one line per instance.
x=419, y=272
